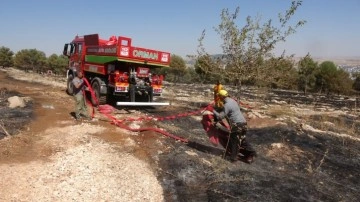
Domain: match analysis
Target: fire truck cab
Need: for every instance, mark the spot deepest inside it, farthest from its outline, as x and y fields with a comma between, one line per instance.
x=116, y=69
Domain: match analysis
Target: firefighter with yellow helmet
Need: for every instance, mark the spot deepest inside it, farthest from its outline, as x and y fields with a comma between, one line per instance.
x=238, y=128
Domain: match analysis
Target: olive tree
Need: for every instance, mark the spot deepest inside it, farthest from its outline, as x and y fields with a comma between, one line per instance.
x=57, y=64
x=177, y=68
x=342, y=82
x=30, y=59
x=356, y=84
x=246, y=49
x=6, y=57
x=204, y=65
x=282, y=73
x=331, y=79
x=307, y=69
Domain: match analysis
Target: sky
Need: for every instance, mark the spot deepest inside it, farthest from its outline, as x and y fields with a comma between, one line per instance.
x=332, y=28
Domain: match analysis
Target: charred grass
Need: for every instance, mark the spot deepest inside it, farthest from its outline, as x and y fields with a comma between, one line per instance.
x=12, y=120
x=292, y=164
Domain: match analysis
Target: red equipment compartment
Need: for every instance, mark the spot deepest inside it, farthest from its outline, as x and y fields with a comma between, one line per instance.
x=142, y=72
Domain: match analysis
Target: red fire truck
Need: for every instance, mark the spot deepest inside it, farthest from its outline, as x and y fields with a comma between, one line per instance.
x=116, y=69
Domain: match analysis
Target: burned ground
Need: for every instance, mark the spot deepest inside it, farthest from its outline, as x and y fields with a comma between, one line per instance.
x=292, y=165
x=13, y=120
x=307, y=150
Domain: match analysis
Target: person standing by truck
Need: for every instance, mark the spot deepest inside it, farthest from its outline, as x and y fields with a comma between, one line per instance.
x=80, y=104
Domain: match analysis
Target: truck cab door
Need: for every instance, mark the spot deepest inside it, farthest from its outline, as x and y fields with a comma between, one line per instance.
x=69, y=49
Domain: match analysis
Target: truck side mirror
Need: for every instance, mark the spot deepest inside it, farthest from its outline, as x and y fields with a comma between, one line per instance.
x=72, y=49
x=65, y=51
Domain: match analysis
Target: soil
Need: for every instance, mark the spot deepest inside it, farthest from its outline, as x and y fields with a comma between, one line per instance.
x=308, y=148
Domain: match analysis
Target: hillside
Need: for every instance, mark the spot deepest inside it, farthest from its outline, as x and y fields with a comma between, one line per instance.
x=308, y=148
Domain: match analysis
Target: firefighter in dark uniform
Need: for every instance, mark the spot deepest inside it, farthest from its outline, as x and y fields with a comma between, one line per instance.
x=238, y=125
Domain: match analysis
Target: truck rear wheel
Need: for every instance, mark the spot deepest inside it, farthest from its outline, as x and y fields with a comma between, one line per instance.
x=132, y=92
x=70, y=85
x=150, y=95
x=102, y=99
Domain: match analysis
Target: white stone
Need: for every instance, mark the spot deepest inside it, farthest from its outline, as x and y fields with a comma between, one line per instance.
x=16, y=101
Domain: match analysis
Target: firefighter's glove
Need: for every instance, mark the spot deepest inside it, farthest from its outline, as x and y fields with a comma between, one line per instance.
x=216, y=118
x=83, y=86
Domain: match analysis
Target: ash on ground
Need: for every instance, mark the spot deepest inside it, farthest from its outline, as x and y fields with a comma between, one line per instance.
x=13, y=120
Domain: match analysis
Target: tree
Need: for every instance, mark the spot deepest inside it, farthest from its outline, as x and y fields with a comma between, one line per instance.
x=246, y=49
x=356, y=84
x=331, y=79
x=190, y=76
x=177, y=67
x=204, y=67
x=30, y=59
x=6, y=57
x=325, y=76
x=306, y=70
x=342, y=82
x=57, y=64
x=281, y=73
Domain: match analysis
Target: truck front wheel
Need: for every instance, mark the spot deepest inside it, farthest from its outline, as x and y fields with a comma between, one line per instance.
x=70, y=85
x=101, y=98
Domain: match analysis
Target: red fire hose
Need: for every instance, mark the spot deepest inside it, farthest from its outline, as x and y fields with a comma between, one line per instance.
x=107, y=109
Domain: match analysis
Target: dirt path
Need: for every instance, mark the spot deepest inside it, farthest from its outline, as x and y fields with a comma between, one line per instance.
x=55, y=158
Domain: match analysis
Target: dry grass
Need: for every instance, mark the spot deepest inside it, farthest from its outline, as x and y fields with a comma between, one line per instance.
x=342, y=124
x=281, y=111
x=4, y=129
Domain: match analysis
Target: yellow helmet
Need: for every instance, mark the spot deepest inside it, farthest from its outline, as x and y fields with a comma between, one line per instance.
x=223, y=93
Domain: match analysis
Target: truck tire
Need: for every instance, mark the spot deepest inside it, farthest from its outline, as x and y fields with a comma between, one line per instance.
x=151, y=96
x=70, y=85
x=132, y=92
x=101, y=98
